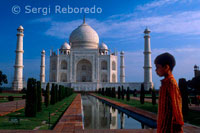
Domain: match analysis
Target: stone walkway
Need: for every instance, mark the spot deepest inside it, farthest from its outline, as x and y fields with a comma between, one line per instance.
x=9, y=107
x=72, y=118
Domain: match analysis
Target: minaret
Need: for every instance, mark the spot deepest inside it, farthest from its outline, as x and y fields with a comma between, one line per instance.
x=147, y=61
x=18, y=75
x=196, y=71
x=122, y=67
x=42, y=67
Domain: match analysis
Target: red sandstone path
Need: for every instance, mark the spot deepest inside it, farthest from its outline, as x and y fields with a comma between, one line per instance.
x=72, y=118
x=9, y=107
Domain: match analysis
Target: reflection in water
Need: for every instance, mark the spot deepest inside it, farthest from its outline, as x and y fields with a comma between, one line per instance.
x=98, y=115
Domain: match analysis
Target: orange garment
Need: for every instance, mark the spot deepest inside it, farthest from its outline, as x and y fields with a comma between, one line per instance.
x=169, y=107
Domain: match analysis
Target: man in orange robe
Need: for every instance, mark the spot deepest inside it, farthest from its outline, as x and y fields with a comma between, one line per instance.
x=170, y=118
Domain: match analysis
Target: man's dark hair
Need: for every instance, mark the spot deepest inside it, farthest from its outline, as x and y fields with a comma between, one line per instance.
x=165, y=59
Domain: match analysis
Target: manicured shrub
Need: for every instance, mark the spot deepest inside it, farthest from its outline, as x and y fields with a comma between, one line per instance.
x=134, y=93
x=23, y=90
x=122, y=93
x=47, y=95
x=119, y=92
x=184, y=93
x=24, y=97
x=142, y=94
x=99, y=91
x=60, y=93
x=106, y=91
x=10, y=98
x=103, y=93
x=109, y=92
x=31, y=98
x=39, y=97
x=53, y=97
x=153, y=91
x=65, y=91
x=128, y=94
x=56, y=93
x=113, y=92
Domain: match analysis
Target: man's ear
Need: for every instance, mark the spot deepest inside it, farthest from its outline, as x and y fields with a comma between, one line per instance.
x=167, y=67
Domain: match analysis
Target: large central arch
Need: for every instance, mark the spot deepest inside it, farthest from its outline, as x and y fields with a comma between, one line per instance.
x=84, y=71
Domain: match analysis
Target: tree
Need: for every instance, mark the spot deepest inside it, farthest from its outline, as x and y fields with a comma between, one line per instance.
x=60, y=93
x=142, y=94
x=31, y=98
x=122, y=93
x=134, y=93
x=119, y=92
x=184, y=93
x=39, y=96
x=47, y=95
x=153, y=96
x=128, y=94
x=56, y=93
x=103, y=92
x=195, y=83
x=3, y=78
x=113, y=92
x=53, y=100
x=99, y=91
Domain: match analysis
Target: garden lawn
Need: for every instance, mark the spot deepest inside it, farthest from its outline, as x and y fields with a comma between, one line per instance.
x=4, y=99
x=193, y=117
x=12, y=94
x=41, y=121
x=135, y=103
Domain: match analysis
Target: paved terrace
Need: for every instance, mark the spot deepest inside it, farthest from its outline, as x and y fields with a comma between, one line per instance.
x=9, y=107
x=72, y=118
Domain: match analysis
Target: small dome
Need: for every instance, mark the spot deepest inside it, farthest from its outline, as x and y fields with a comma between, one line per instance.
x=65, y=46
x=103, y=46
x=84, y=37
x=20, y=28
x=122, y=52
x=147, y=31
x=43, y=51
x=195, y=66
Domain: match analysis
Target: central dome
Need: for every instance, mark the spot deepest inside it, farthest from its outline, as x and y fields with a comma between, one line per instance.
x=84, y=37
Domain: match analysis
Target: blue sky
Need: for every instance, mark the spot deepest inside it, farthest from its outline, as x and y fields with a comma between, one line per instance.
x=174, y=26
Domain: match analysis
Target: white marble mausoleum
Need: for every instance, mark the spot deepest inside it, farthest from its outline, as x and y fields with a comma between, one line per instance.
x=84, y=63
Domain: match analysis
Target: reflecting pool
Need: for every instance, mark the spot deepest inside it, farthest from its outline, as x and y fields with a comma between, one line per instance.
x=98, y=115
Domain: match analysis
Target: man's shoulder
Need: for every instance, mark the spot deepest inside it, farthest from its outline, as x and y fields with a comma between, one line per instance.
x=173, y=84
x=172, y=80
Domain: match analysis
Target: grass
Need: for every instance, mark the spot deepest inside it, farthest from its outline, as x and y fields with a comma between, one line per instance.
x=135, y=103
x=12, y=94
x=2, y=100
x=193, y=117
x=41, y=120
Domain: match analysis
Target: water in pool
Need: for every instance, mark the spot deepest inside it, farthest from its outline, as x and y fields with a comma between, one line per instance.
x=98, y=115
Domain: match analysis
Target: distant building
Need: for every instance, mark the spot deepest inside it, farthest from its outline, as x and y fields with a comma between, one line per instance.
x=196, y=71
x=84, y=64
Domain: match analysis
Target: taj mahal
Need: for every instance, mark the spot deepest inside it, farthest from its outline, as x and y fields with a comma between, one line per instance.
x=84, y=63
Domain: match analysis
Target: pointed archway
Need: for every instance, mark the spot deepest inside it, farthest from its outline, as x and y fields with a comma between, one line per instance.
x=84, y=71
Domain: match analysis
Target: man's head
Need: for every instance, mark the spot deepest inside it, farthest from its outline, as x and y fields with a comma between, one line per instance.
x=164, y=63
